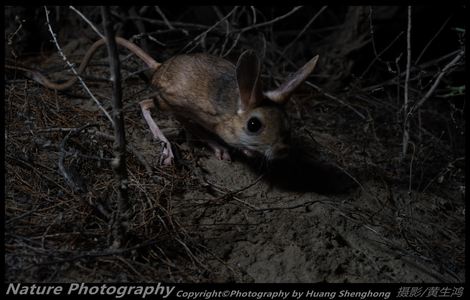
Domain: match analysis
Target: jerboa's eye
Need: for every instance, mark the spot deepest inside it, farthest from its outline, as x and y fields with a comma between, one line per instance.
x=254, y=125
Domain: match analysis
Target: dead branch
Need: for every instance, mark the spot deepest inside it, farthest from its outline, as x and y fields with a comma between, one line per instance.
x=406, y=124
x=88, y=21
x=336, y=99
x=165, y=20
x=119, y=162
x=305, y=28
x=71, y=67
x=443, y=72
x=270, y=22
x=203, y=34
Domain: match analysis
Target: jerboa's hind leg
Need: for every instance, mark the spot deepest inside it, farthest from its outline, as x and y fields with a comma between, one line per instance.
x=167, y=154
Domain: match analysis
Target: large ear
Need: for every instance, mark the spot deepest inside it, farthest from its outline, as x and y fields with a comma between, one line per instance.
x=283, y=92
x=249, y=81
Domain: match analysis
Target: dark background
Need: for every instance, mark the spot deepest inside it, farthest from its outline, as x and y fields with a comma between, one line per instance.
x=356, y=100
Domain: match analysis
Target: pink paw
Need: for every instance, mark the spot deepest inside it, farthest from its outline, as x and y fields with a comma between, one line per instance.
x=220, y=151
x=222, y=154
x=167, y=156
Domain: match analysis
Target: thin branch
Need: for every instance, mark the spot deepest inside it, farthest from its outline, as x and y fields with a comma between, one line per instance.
x=119, y=162
x=305, y=28
x=438, y=80
x=234, y=44
x=70, y=65
x=336, y=99
x=406, y=134
x=253, y=9
x=203, y=34
x=167, y=23
x=378, y=55
x=140, y=27
x=228, y=28
x=432, y=39
x=271, y=21
x=396, y=78
x=88, y=21
x=160, y=22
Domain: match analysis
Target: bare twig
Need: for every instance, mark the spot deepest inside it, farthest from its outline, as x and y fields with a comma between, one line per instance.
x=203, y=34
x=253, y=9
x=119, y=162
x=235, y=42
x=336, y=99
x=305, y=28
x=396, y=79
x=71, y=67
x=140, y=27
x=12, y=35
x=174, y=23
x=88, y=21
x=372, y=33
x=406, y=124
x=167, y=23
x=432, y=39
x=378, y=55
x=228, y=28
x=410, y=173
x=271, y=21
x=438, y=80
x=232, y=194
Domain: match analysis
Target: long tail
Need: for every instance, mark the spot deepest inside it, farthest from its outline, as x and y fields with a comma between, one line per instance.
x=37, y=76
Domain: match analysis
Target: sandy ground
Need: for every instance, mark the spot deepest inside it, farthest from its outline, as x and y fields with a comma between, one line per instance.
x=307, y=220
x=337, y=210
x=341, y=208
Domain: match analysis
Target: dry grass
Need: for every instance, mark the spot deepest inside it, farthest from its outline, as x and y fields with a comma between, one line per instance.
x=59, y=229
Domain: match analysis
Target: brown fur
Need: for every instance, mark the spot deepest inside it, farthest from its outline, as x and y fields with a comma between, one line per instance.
x=198, y=87
x=215, y=95
x=203, y=89
x=221, y=97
